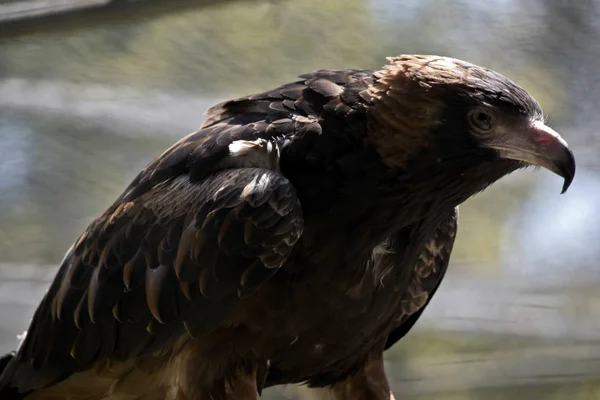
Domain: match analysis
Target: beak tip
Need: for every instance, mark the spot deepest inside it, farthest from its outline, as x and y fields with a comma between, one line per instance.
x=568, y=172
x=567, y=182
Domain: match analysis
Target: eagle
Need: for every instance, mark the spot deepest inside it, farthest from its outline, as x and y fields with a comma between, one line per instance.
x=293, y=238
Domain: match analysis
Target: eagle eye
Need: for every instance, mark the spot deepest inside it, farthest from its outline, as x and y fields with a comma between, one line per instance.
x=481, y=121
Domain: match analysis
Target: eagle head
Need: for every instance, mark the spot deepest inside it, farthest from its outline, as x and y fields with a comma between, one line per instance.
x=466, y=118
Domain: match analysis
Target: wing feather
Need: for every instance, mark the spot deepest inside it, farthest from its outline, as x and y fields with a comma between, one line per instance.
x=428, y=274
x=212, y=242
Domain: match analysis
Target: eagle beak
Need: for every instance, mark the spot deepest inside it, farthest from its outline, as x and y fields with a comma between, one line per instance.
x=542, y=146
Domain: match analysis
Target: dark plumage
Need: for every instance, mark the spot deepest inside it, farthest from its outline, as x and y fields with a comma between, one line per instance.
x=293, y=238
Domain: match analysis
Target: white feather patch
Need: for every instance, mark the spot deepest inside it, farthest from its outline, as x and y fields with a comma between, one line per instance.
x=258, y=153
x=381, y=266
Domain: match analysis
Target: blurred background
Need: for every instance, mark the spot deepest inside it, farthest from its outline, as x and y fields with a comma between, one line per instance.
x=91, y=91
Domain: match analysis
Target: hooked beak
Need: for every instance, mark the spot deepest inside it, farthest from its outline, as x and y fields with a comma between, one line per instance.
x=543, y=147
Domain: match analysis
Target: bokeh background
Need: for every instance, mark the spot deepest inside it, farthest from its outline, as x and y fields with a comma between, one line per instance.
x=87, y=98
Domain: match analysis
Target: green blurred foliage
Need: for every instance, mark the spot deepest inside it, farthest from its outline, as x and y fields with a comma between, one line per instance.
x=228, y=48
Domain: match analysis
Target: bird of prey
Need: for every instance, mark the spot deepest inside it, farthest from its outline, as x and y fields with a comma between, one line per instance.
x=293, y=238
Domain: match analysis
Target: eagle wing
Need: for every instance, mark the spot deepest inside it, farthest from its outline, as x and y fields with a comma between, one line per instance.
x=202, y=226
x=177, y=258
x=428, y=274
